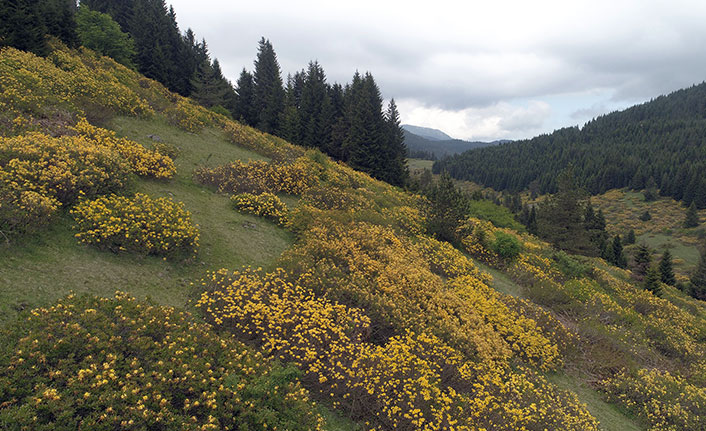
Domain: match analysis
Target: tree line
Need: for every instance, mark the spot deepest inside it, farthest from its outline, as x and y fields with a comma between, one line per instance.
x=347, y=122
x=659, y=144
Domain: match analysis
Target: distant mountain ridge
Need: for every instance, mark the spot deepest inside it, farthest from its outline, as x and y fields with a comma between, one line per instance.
x=660, y=144
x=421, y=146
x=427, y=133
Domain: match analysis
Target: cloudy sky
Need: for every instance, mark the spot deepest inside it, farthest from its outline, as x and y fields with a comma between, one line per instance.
x=478, y=70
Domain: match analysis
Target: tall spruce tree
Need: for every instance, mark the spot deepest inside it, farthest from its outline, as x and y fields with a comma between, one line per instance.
x=396, y=150
x=313, y=98
x=22, y=26
x=365, y=141
x=244, y=108
x=616, y=254
x=210, y=88
x=666, y=269
x=642, y=261
x=268, y=94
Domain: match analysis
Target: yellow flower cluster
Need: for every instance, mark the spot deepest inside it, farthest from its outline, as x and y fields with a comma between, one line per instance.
x=265, y=205
x=666, y=402
x=139, y=224
x=99, y=364
x=31, y=84
x=39, y=173
x=412, y=381
x=258, y=177
x=144, y=162
x=371, y=267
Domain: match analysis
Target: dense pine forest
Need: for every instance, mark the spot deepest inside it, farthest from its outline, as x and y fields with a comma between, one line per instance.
x=660, y=145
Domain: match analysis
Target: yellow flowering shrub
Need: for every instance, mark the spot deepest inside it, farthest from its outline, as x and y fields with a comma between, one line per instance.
x=104, y=364
x=371, y=267
x=144, y=162
x=265, y=205
x=257, y=177
x=665, y=401
x=139, y=224
x=188, y=116
x=413, y=381
x=31, y=84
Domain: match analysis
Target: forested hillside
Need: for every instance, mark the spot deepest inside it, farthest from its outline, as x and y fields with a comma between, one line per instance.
x=432, y=149
x=660, y=144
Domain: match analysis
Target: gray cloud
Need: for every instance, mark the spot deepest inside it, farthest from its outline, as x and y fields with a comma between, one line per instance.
x=476, y=57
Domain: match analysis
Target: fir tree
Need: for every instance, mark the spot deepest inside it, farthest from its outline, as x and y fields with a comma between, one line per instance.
x=209, y=86
x=692, y=217
x=666, y=269
x=560, y=218
x=22, y=26
x=244, y=109
x=646, y=216
x=617, y=255
x=268, y=91
x=650, y=192
x=642, y=261
x=396, y=151
x=313, y=97
x=447, y=207
x=630, y=237
x=652, y=281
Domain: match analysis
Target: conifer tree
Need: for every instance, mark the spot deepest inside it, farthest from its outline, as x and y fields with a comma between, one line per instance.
x=617, y=255
x=210, y=88
x=692, y=217
x=666, y=269
x=630, y=237
x=642, y=261
x=560, y=218
x=447, y=207
x=396, y=151
x=652, y=281
x=244, y=108
x=313, y=97
x=268, y=91
x=22, y=26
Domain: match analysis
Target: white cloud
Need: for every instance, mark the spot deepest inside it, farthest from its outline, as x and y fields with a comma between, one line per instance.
x=499, y=121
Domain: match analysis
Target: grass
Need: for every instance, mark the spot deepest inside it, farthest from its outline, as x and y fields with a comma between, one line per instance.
x=501, y=282
x=611, y=418
x=622, y=209
x=416, y=166
x=43, y=268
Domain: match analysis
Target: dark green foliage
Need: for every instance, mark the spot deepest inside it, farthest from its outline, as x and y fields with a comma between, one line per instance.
x=666, y=269
x=162, y=52
x=100, y=33
x=663, y=139
x=652, y=281
x=692, y=217
x=595, y=225
x=447, y=207
x=642, y=261
x=650, y=192
x=506, y=246
x=630, y=237
x=698, y=278
x=569, y=266
x=244, y=106
x=645, y=216
x=395, y=152
x=616, y=255
x=268, y=91
x=26, y=24
x=560, y=218
x=209, y=87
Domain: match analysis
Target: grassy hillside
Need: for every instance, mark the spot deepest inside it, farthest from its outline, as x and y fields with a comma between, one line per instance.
x=322, y=300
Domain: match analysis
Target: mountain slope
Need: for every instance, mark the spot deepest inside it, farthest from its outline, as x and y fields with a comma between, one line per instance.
x=661, y=142
x=374, y=319
x=439, y=147
x=427, y=133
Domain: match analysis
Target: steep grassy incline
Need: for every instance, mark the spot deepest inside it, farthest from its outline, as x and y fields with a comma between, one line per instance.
x=47, y=266
x=347, y=301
